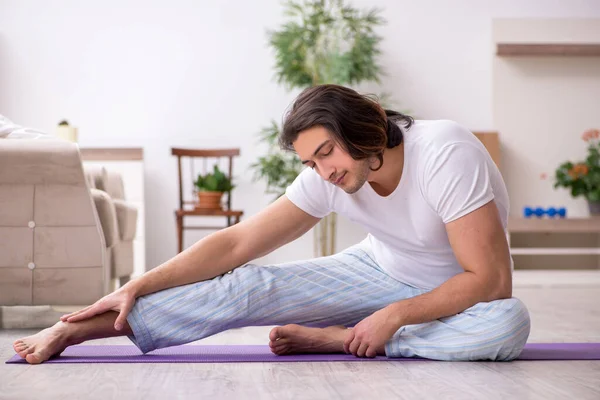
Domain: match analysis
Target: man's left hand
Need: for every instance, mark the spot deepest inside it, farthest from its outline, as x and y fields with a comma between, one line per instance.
x=372, y=333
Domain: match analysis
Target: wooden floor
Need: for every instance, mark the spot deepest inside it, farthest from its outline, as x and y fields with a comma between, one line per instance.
x=559, y=314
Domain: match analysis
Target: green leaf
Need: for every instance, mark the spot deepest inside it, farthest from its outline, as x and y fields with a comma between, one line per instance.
x=216, y=181
x=594, y=196
x=326, y=41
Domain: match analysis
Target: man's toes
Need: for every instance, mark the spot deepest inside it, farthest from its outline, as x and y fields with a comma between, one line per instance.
x=281, y=342
x=23, y=353
x=280, y=350
x=34, y=358
x=21, y=347
x=275, y=333
x=284, y=331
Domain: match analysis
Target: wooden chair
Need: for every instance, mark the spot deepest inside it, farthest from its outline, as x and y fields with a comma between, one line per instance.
x=186, y=207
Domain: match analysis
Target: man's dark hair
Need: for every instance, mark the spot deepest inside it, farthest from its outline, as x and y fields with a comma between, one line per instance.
x=357, y=122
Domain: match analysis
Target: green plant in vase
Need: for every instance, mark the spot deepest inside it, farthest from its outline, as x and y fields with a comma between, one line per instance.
x=210, y=188
x=323, y=41
x=582, y=178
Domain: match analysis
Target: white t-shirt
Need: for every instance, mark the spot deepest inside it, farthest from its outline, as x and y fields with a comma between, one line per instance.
x=447, y=174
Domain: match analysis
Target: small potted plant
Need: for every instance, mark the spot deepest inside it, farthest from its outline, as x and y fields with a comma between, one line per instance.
x=210, y=189
x=65, y=131
x=583, y=177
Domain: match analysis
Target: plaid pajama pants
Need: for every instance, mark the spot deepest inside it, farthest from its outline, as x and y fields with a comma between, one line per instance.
x=341, y=289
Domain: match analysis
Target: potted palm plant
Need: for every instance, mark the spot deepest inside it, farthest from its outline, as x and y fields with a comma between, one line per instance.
x=210, y=188
x=323, y=41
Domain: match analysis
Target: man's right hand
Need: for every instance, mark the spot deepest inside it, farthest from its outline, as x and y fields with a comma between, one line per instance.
x=121, y=300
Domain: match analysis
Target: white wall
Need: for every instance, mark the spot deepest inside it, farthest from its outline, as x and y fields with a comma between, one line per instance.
x=157, y=74
x=542, y=105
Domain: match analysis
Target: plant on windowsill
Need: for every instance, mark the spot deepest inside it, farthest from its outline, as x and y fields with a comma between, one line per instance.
x=210, y=188
x=583, y=177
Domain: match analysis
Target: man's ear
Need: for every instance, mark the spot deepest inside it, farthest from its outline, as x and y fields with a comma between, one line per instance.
x=374, y=163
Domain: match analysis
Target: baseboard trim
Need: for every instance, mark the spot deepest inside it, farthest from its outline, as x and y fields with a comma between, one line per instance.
x=32, y=317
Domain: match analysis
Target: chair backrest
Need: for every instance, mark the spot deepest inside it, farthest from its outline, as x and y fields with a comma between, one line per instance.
x=209, y=157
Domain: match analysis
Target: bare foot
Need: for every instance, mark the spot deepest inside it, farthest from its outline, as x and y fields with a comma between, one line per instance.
x=44, y=344
x=293, y=339
x=52, y=341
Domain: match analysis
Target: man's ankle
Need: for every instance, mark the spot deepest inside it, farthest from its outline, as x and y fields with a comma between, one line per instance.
x=68, y=332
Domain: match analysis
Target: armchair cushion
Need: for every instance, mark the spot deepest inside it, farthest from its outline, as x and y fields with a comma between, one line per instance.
x=113, y=185
x=109, y=181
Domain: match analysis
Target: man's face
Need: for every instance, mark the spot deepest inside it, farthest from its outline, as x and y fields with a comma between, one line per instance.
x=317, y=149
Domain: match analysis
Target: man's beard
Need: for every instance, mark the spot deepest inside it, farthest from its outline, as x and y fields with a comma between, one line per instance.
x=361, y=174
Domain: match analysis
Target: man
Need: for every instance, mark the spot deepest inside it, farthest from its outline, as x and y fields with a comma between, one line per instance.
x=432, y=278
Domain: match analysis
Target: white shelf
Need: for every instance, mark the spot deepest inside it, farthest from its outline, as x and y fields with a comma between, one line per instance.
x=555, y=251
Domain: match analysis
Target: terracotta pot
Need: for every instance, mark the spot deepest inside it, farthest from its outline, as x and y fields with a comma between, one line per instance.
x=594, y=207
x=209, y=200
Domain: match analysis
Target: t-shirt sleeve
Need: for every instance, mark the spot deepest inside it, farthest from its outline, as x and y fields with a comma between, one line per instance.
x=457, y=180
x=310, y=193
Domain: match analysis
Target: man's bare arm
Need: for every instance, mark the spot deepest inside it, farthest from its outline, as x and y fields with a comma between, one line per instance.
x=278, y=224
x=481, y=248
x=216, y=254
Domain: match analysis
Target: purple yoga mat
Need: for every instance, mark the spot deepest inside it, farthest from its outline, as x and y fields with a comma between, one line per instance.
x=262, y=353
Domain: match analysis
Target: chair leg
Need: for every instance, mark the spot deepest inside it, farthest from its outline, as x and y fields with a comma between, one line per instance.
x=179, y=233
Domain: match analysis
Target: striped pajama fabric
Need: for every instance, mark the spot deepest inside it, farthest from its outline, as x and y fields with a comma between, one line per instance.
x=341, y=289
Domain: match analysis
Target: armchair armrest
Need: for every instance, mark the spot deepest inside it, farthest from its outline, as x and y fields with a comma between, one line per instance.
x=127, y=215
x=107, y=215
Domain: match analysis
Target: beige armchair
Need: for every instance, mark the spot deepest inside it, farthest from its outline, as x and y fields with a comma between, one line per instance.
x=52, y=248
x=118, y=219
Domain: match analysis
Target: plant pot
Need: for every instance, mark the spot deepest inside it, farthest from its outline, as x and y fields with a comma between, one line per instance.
x=209, y=200
x=594, y=207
